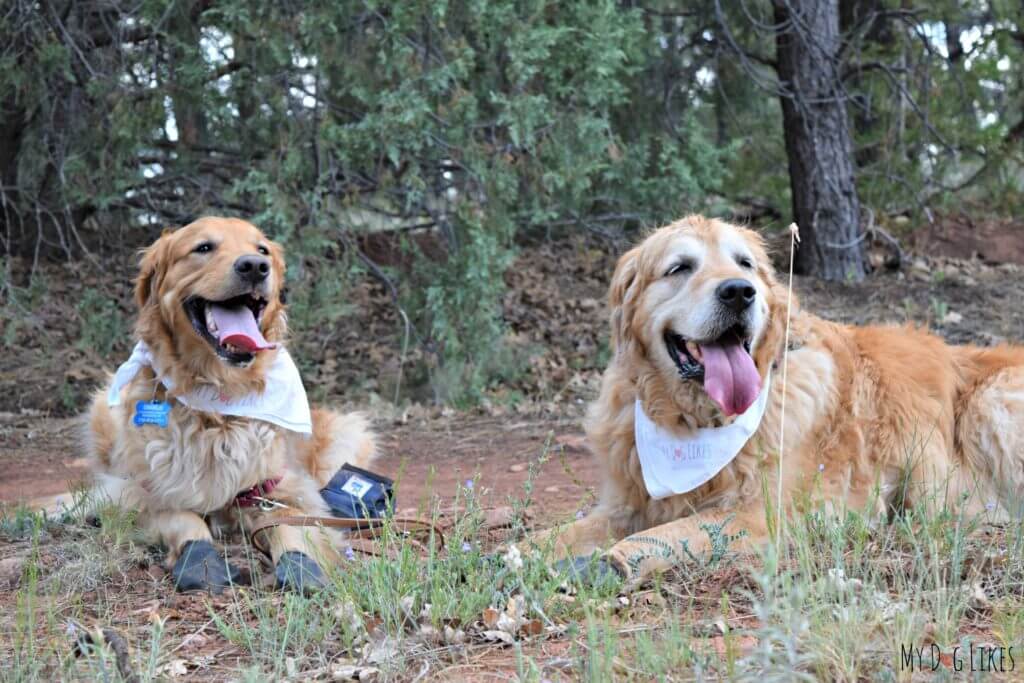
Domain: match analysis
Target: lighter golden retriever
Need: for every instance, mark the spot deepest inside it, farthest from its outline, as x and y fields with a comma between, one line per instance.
x=212, y=315
x=877, y=418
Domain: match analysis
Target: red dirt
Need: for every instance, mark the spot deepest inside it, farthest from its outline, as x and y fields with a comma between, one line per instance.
x=960, y=236
x=42, y=457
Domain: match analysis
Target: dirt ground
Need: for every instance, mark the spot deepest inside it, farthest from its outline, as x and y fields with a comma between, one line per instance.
x=429, y=457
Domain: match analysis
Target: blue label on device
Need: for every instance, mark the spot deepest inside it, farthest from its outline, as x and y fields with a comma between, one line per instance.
x=151, y=413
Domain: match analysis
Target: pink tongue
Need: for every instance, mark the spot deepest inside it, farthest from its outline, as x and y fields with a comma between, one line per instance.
x=238, y=326
x=730, y=377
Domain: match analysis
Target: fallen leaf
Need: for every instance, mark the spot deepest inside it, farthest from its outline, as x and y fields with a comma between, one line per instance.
x=533, y=627
x=352, y=672
x=495, y=636
x=176, y=667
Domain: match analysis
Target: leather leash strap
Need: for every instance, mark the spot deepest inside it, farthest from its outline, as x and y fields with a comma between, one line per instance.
x=365, y=528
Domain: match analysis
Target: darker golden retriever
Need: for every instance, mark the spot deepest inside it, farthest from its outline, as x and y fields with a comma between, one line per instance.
x=876, y=418
x=209, y=415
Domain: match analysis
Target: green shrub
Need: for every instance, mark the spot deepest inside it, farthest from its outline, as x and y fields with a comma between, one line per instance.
x=101, y=323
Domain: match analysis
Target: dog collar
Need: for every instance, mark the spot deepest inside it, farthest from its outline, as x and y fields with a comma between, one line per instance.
x=282, y=402
x=673, y=464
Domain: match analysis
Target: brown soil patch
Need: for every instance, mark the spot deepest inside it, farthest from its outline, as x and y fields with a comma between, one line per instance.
x=432, y=458
x=960, y=236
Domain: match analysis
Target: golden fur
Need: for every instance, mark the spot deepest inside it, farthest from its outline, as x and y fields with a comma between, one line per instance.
x=877, y=418
x=175, y=476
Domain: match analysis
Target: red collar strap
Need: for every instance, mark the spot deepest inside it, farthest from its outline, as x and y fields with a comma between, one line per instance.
x=250, y=497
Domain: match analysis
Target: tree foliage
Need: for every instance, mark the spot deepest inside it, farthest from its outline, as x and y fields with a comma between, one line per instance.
x=455, y=128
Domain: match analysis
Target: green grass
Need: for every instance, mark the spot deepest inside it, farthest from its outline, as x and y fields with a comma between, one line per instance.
x=836, y=604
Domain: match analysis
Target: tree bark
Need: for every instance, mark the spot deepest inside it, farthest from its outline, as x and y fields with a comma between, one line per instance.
x=818, y=144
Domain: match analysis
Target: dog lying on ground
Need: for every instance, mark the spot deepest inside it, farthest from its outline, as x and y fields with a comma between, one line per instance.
x=687, y=424
x=209, y=420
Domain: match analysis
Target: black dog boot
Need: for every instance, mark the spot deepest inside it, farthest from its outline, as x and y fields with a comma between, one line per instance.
x=299, y=572
x=589, y=570
x=201, y=567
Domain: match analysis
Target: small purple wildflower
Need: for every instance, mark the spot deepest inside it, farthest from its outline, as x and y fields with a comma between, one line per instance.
x=580, y=514
x=469, y=484
x=349, y=553
x=990, y=506
x=821, y=467
x=466, y=547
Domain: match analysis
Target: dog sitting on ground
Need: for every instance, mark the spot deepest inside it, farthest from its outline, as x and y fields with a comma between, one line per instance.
x=687, y=424
x=208, y=420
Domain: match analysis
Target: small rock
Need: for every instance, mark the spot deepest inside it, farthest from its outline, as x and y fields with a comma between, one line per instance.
x=952, y=318
x=454, y=636
x=921, y=275
x=572, y=442
x=193, y=641
x=518, y=467
x=11, y=569
x=977, y=602
x=551, y=489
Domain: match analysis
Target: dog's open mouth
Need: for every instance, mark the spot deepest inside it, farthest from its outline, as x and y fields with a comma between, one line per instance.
x=724, y=364
x=231, y=327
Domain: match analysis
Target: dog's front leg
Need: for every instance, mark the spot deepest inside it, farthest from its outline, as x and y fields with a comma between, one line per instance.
x=604, y=526
x=298, y=551
x=195, y=563
x=693, y=538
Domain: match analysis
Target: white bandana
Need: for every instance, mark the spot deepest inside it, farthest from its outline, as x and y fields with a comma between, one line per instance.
x=283, y=401
x=678, y=464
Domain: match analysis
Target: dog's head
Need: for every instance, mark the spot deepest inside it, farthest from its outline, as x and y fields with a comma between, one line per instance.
x=210, y=304
x=697, y=314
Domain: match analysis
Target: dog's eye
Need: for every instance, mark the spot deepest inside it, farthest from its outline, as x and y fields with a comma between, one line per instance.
x=744, y=262
x=681, y=267
x=204, y=248
x=263, y=250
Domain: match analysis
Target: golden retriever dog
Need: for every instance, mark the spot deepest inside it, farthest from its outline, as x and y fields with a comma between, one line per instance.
x=876, y=418
x=211, y=326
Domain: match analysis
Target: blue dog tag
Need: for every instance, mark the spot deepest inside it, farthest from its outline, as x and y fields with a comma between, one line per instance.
x=151, y=413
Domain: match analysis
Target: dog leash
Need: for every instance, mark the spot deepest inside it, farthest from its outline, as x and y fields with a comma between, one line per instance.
x=365, y=529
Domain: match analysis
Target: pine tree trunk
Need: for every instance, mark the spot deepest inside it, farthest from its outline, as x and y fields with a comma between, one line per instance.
x=818, y=143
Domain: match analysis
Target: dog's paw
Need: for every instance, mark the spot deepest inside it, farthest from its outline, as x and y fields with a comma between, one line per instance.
x=201, y=567
x=299, y=572
x=590, y=570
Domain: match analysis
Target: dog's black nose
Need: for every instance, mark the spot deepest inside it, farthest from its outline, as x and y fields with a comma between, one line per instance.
x=736, y=294
x=252, y=268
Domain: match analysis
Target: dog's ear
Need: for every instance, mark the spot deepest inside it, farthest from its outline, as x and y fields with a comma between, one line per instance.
x=278, y=266
x=152, y=268
x=275, y=320
x=621, y=294
x=769, y=349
